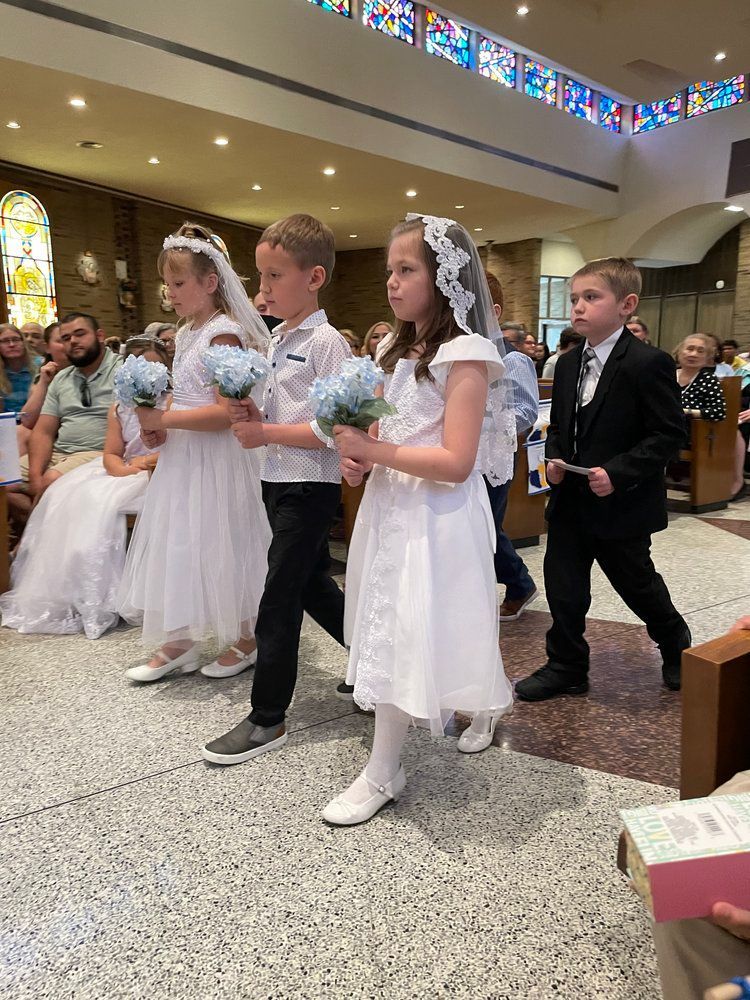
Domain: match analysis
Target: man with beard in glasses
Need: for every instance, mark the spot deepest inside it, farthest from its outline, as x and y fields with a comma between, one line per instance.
x=71, y=427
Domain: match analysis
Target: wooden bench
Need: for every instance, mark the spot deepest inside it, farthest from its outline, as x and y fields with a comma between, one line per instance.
x=711, y=458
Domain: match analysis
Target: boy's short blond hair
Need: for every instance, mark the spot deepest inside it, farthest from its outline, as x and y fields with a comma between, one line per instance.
x=310, y=242
x=621, y=274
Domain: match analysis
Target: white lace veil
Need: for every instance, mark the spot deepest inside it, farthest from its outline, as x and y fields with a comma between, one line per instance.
x=240, y=308
x=461, y=279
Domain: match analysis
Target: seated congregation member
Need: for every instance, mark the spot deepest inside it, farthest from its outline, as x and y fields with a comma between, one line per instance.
x=730, y=351
x=166, y=333
x=67, y=572
x=34, y=336
x=355, y=344
x=638, y=328
x=700, y=390
x=373, y=338
x=719, y=367
x=615, y=411
x=568, y=340
x=529, y=346
x=71, y=427
x=17, y=369
x=541, y=357
x=54, y=359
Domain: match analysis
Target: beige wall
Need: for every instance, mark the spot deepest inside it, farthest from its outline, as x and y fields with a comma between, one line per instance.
x=741, y=331
x=518, y=266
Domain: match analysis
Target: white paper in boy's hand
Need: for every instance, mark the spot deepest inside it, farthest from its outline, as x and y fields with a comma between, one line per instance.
x=569, y=468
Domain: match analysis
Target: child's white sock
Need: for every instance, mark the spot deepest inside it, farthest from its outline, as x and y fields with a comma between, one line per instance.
x=391, y=727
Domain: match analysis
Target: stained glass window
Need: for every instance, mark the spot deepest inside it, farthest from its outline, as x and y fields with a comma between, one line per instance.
x=650, y=116
x=541, y=82
x=710, y=96
x=27, y=260
x=339, y=6
x=610, y=113
x=497, y=62
x=392, y=17
x=446, y=38
x=578, y=100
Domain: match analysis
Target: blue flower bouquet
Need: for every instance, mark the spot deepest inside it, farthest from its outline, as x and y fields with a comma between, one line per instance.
x=139, y=382
x=235, y=371
x=349, y=397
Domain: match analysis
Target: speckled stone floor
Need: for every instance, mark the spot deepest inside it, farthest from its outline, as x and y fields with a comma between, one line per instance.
x=132, y=869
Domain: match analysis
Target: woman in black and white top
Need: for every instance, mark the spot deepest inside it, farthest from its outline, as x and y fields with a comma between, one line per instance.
x=701, y=391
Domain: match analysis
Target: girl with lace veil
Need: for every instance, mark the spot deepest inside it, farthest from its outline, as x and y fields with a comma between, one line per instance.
x=421, y=604
x=197, y=560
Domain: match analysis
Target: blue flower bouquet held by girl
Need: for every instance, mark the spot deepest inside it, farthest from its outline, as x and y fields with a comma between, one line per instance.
x=349, y=397
x=235, y=371
x=140, y=383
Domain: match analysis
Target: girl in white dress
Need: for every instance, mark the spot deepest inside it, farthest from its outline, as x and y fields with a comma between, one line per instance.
x=421, y=601
x=197, y=561
x=69, y=564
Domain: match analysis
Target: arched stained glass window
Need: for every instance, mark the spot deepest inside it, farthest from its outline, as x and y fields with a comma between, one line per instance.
x=497, y=62
x=446, y=38
x=339, y=6
x=392, y=17
x=710, y=96
x=541, y=82
x=610, y=113
x=650, y=116
x=578, y=100
x=27, y=260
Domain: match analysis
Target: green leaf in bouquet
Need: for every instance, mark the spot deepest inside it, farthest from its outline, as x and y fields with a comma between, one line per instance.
x=148, y=401
x=371, y=411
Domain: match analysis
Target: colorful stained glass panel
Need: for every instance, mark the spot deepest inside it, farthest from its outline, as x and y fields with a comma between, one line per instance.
x=338, y=6
x=497, y=62
x=712, y=96
x=394, y=18
x=578, y=100
x=27, y=260
x=647, y=117
x=610, y=113
x=446, y=38
x=541, y=82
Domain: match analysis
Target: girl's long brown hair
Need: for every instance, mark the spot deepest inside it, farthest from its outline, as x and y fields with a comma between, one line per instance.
x=441, y=325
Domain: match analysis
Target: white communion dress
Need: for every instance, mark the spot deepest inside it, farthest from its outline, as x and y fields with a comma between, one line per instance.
x=196, y=565
x=69, y=565
x=421, y=602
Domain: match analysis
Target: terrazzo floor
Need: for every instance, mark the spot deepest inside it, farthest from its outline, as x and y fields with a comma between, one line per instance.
x=132, y=869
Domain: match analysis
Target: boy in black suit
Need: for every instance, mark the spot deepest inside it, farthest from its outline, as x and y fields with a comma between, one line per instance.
x=616, y=411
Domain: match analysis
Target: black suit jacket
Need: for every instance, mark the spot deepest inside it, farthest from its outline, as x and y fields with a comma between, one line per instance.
x=632, y=427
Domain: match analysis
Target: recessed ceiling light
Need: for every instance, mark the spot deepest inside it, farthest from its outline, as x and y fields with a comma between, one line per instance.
x=459, y=206
x=335, y=208
x=329, y=171
x=89, y=144
x=411, y=193
x=720, y=57
x=478, y=229
x=154, y=160
x=257, y=187
x=522, y=11
x=77, y=102
x=733, y=208
x=221, y=141
x=13, y=125
x=352, y=236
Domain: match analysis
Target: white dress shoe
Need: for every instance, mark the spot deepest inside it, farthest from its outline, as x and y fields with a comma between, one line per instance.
x=185, y=663
x=216, y=669
x=474, y=741
x=340, y=812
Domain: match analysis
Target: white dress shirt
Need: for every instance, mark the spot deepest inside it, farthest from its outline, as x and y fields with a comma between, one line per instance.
x=312, y=350
x=596, y=366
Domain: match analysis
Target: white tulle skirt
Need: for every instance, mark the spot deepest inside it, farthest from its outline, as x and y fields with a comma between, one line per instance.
x=196, y=565
x=421, y=599
x=69, y=565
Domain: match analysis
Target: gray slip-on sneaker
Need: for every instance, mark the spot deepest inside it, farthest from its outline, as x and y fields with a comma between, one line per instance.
x=246, y=740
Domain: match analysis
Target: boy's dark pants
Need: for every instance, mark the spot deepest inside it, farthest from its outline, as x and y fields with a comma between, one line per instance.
x=626, y=562
x=300, y=516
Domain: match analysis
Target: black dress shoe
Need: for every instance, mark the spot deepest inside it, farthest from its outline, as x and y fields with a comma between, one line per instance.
x=671, y=668
x=548, y=683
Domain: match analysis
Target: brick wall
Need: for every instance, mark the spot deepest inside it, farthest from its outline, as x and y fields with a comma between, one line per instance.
x=741, y=331
x=518, y=266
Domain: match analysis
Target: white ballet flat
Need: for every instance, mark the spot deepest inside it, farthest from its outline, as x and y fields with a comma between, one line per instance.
x=185, y=663
x=343, y=813
x=216, y=669
x=471, y=741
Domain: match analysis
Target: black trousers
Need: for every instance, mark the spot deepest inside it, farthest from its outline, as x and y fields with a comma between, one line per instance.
x=571, y=553
x=300, y=515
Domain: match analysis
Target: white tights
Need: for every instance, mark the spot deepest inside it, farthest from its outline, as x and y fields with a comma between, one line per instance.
x=391, y=727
